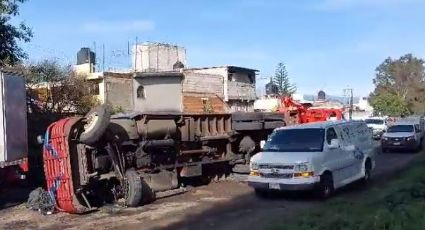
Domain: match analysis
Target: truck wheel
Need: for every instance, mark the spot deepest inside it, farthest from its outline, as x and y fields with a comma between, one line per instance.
x=132, y=188
x=325, y=187
x=97, y=120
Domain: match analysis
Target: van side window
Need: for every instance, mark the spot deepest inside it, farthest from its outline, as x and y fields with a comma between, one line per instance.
x=330, y=135
x=417, y=128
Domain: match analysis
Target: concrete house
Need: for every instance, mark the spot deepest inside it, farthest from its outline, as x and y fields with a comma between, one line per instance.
x=158, y=92
x=238, y=84
x=160, y=82
x=157, y=57
x=113, y=88
x=186, y=90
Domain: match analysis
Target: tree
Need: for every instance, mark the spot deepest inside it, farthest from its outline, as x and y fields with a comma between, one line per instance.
x=281, y=79
x=390, y=104
x=10, y=35
x=401, y=80
x=54, y=88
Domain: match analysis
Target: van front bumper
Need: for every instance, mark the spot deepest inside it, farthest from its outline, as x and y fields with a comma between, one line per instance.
x=295, y=184
x=283, y=187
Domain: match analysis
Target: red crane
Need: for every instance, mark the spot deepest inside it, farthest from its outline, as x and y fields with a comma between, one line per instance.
x=305, y=113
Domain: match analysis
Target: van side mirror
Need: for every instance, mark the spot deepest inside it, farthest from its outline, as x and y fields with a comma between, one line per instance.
x=334, y=144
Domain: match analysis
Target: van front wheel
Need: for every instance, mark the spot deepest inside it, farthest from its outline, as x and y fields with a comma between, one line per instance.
x=325, y=187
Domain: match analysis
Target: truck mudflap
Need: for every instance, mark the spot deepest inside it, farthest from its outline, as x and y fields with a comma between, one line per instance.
x=57, y=166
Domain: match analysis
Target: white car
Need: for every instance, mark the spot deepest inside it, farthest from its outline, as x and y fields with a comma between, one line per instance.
x=378, y=126
x=321, y=156
x=403, y=135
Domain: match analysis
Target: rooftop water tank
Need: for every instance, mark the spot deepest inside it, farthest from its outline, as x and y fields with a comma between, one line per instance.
x=85, y=55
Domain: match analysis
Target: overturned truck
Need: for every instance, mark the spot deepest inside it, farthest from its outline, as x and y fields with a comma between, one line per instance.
x=132, y=158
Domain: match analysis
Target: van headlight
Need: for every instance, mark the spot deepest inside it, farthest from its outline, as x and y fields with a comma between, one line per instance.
x=254, y=166
x=385, y=138
x=301, y=167
x=254, y=169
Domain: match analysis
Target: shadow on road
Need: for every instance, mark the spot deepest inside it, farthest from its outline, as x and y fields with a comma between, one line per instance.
x=12, y=196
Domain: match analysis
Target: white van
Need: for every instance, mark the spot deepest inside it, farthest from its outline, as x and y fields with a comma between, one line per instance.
x=322, y=156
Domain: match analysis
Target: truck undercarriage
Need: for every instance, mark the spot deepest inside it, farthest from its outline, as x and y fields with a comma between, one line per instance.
x=96, y=159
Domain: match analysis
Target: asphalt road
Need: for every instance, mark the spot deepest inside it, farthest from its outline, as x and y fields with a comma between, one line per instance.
x=222, y=205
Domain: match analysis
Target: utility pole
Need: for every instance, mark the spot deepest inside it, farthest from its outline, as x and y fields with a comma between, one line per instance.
x=349, y=92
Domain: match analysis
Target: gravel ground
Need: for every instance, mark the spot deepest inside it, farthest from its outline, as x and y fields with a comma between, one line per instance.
x=223, y=205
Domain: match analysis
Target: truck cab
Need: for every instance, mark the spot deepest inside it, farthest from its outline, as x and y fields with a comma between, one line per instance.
x=318, y=156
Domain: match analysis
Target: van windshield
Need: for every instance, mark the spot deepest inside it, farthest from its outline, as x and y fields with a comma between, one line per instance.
x=295, y=140
x=374, y=121
x=400, y=128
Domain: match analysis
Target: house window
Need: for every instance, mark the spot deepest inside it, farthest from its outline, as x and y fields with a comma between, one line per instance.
x=141, y=92
x=230, y=77
x=94, y=89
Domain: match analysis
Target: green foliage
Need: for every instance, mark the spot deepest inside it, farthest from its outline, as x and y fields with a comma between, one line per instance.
x=400, y=79
x=281, y=79
x=397, y=206
x=57, y=89
x=10, y=35
x=389, y=104
x=207, y=107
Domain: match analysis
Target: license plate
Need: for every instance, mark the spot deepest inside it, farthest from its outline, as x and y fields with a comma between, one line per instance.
x=396, y=143
x=274, y=186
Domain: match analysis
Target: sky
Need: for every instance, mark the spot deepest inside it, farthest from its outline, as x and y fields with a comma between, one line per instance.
x=326, y=44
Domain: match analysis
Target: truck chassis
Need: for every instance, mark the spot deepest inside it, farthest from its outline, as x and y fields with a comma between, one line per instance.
x=131, y=158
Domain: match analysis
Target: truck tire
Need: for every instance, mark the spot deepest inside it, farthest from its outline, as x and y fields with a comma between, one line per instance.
x=325, y=188
x=133, y=188
x=97, y=121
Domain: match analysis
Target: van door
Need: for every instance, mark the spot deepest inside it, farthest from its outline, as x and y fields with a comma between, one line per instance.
x=335, y=159
x=363, y=147
x=351, y=153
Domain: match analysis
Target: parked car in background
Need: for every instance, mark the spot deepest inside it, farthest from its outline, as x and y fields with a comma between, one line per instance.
x=378, y=126
x=320, y=156
x=403, y=135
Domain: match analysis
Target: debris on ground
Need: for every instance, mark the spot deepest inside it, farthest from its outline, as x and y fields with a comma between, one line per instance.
x=41, y=201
